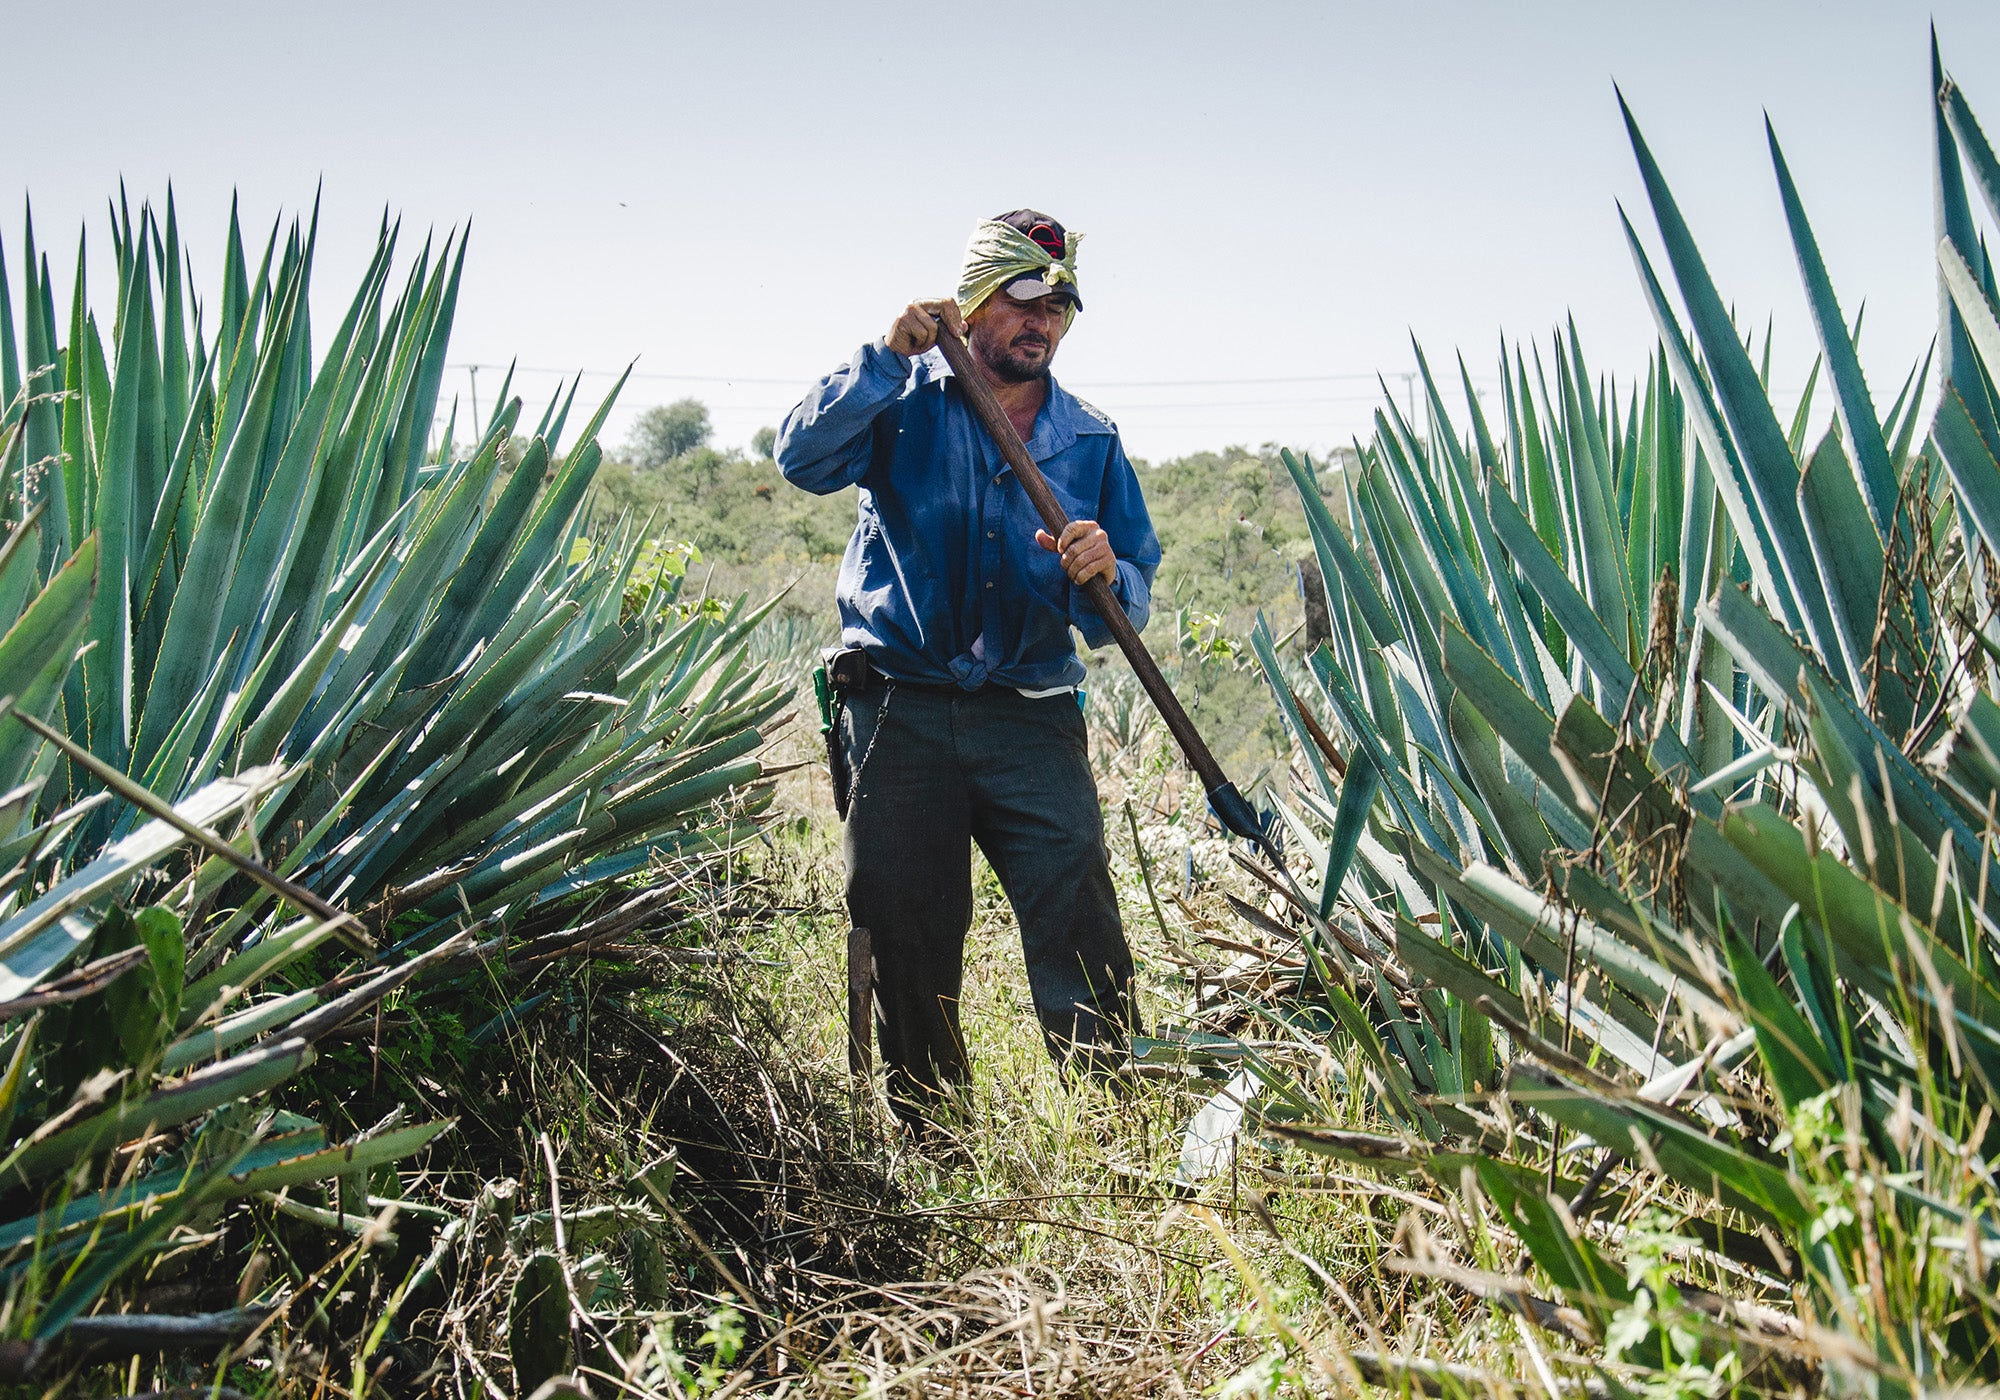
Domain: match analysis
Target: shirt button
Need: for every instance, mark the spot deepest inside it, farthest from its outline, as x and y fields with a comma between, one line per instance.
x=989, y=585
x=989, y=534
x=996, y=481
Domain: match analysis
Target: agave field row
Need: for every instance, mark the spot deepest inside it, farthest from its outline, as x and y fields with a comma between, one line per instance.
x=300, y=712
x=1650, y=866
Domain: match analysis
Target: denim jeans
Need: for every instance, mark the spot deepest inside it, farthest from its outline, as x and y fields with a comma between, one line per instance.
x=932, y=773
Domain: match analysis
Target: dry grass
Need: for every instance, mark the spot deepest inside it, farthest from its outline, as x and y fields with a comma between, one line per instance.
x=1064, y=1254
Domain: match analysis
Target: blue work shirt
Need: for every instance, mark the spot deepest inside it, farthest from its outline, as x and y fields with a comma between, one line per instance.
x=943, y=582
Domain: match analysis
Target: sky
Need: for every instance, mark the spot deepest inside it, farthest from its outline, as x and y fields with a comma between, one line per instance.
x=1278, y=198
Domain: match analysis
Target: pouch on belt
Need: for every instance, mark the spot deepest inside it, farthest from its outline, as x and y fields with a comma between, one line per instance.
x=842, y=671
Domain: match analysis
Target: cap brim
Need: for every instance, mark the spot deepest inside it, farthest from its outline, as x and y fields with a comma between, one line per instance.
x=1032, y=287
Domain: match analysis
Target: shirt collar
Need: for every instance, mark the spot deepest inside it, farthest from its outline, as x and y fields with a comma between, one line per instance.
x=1063, y=419
x=1080, y=418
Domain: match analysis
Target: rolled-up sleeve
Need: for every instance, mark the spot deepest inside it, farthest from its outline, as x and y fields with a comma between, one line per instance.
x=1122, y=515
x=826, y=440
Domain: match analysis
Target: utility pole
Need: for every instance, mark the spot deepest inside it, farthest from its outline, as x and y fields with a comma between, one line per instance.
x=478, y=426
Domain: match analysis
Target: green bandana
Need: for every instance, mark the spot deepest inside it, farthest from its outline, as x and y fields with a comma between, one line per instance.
x=997, y=253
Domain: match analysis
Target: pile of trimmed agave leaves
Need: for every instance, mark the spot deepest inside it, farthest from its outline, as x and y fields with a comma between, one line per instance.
x=299, y=712
x=1648, y=784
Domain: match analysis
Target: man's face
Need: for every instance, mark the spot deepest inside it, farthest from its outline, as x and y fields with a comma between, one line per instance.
x=1016, y=340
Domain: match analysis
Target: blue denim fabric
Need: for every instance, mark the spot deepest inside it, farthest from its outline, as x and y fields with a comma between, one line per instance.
x=933, y=773
x=943, y=582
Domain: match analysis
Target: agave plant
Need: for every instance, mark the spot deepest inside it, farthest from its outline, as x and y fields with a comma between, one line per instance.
x=1655, y=852
x=277, y=672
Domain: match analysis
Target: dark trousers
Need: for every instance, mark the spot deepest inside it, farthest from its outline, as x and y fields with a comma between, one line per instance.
x=934, y=772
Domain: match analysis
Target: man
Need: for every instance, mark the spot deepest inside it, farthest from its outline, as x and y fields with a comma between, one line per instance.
x=964, y=724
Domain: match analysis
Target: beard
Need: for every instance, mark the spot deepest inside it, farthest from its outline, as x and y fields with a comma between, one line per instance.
x=1020, y=361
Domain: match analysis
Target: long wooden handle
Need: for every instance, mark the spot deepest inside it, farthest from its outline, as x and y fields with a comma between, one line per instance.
x=994, y=419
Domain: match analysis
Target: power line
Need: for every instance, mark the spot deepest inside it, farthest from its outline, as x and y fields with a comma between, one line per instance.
x=1123, y=410
x=1405, y=375
x=1129, y=407
x=1268, y=379
x=635, y=374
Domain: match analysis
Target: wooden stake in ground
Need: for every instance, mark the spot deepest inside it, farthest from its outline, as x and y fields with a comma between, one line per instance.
x=860, y=999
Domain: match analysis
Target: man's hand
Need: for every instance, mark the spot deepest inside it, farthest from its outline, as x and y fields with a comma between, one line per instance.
x=915, y=331
x=1086, y=552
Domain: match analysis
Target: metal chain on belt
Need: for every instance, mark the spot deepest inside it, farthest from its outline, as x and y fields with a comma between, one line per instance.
x=881, y=716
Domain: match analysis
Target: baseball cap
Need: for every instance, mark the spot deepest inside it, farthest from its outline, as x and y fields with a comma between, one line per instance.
x=1052, y=238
